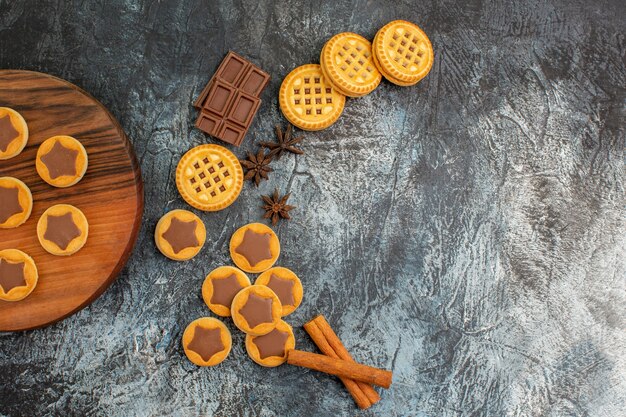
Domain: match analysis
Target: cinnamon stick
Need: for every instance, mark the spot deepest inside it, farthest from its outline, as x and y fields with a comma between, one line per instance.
x=325, y=338
x=340, y=367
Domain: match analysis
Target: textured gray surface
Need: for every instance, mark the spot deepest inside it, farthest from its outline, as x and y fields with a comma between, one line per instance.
x=467, y=232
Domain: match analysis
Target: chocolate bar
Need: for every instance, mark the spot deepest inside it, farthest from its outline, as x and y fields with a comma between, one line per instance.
x=230, y=100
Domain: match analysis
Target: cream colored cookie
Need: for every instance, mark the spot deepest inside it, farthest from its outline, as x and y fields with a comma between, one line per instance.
x=16, y=202
x=207, y=341
x=285, y=284
x=308, y=100
x=271, y=349
x=180, y=235
x=347, y=62
x=220, y=288
x=254, y=247
x=61, y=161
x=13, y=133
x=209, y=177
x=403, y=52
x=62, y=230
x=256, y=310
x=18, y=275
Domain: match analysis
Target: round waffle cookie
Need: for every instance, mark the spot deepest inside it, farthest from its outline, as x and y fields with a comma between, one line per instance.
x=347, y=62
x=13, y=133
x=308, y=100
x=209, y=177
x=403, y=52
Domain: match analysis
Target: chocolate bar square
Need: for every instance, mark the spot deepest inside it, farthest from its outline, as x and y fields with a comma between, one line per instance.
x=243, y=109
x=229, y=102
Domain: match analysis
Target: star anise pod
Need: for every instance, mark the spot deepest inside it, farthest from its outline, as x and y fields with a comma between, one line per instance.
x=285, y=143
x=276, y=207
x=257, y=167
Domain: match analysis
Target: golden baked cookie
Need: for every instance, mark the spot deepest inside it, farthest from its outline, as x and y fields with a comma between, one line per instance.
x=308, y=100
x=180, y=235
x=386, y=75
x=271, y=349
x=254, y=247
x=16, y=202
x=13, y=133
x=285, y=284
x=220, y=287
x=207, y=341
x=62, y=230
x=18, y=275
x=347, y=62
x=256, y=310
x=404, y=54
x=209, y=177
x=61, y=161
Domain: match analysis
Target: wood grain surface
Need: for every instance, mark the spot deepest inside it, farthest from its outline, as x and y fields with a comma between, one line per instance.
x=110, y=194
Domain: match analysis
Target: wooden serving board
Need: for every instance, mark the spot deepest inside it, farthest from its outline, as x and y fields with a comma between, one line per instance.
x=110, y=195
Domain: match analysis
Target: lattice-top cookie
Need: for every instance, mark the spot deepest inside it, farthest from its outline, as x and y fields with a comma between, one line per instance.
x=347, y=62
x=403, y=52
x=209, y=177
x=308, y=100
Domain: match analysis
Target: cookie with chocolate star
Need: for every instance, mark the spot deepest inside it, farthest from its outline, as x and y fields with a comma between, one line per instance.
x=18, y=275
x=180, y=235
x=207, y=341
x=61, y=161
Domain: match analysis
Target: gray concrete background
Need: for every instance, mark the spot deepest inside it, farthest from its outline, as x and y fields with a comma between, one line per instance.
x=467, y=232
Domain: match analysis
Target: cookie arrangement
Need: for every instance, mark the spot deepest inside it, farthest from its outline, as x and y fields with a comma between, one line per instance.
x=62, y=230
x=312, y=97
x=210, y=178
x=257, y=310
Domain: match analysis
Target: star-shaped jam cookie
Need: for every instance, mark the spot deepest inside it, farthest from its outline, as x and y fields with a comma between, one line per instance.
x=255, y=247
x=257, y=310
x=61, y=230
x=60, y=161
x=7, y=133
x=225, y=289
x=181, y=235
x=206, y=342
x=9, y=203
x=272, y=344
x=11, y=275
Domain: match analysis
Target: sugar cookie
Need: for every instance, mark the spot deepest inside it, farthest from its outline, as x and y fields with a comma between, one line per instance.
x=220, y=287
x=18, y=275
x=180, y=235
x=403, y=53
x=62, y=230
x=271, y=349
x=209, y=177
x=256, y=310
x=346, y=61
x=13, y=133
x=61, y=161
x=16, y=202
x=285, y=284
x=207, y=341
x=254, y=247
x=308, y=100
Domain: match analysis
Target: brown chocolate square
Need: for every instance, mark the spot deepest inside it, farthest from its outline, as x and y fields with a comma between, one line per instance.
x=219, y=98
x=243, y=109
x=209, y=123
x=254, y=82
x=231, y=133
x=232, y=69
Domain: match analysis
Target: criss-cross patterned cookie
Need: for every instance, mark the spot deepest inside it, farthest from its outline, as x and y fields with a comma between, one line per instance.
x=347, y=62
x=403, y=52
x=308, y=100
x=209, y=177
